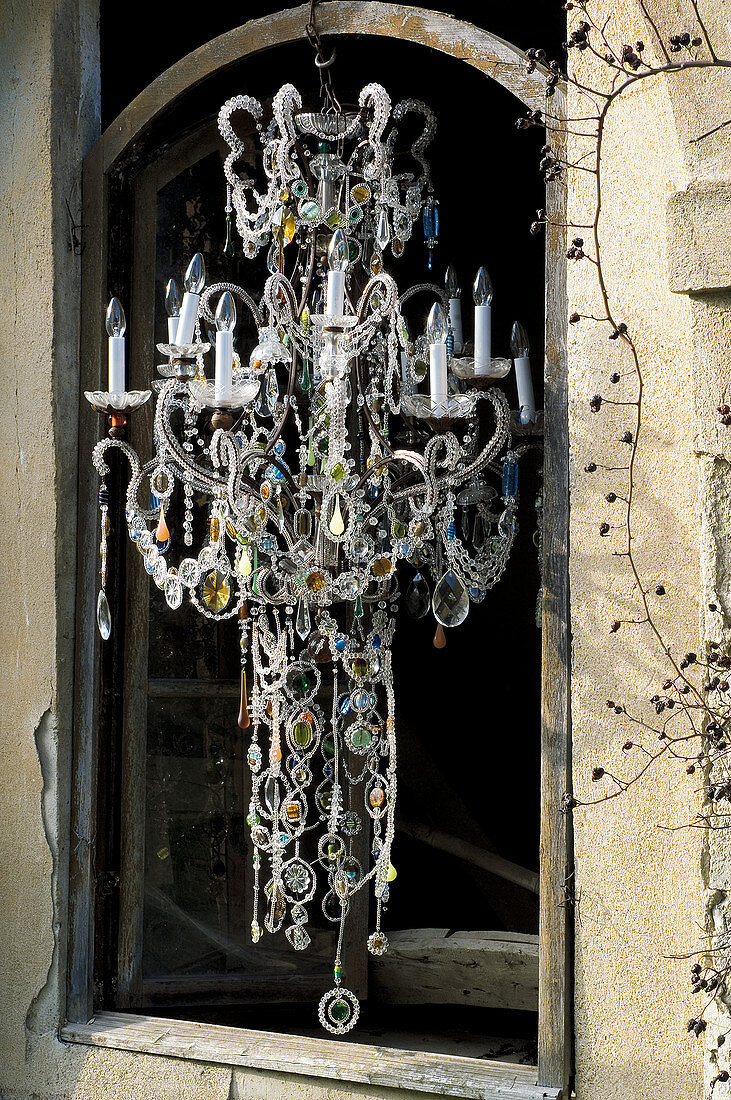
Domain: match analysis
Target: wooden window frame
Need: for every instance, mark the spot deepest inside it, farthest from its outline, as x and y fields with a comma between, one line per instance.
x=444, y=1074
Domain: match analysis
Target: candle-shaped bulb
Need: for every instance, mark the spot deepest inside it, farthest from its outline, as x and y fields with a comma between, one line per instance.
x=454, y=290
x=195, y=276
x=337, y=252
x=172, y=299
x=226, y=313
x=519, y=344
x=482, y=288
x=116, y=321
x=437, y=328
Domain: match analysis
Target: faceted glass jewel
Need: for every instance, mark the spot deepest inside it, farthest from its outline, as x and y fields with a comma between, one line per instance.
x=451, y=601
x=216, y=591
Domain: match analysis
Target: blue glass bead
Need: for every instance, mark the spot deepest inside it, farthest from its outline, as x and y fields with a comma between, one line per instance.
x=376, y=641
x=344, y=707
x=451, y=530
x=510, y=479
x=154, y=502
x=430, y=260
x=267, y=543
x=340, y=644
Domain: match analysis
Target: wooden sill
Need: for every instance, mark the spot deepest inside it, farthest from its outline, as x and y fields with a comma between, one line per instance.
x=443, y=1074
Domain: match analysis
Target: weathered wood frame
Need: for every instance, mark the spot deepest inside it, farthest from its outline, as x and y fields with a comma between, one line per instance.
x=505, y=64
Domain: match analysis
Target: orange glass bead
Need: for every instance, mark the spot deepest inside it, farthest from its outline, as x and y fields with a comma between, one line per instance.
x=377, y=796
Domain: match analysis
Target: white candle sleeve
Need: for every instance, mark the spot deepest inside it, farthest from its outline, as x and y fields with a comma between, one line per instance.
x=116, y=364
x=173, y=329
x=438, y=376
x=455, y=320
x=526, y=399
x=483, y=339
x=224, y=363
x=335, y=293
x=186, y=321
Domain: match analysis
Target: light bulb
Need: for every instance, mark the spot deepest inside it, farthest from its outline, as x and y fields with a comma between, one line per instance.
x=337, y=252
x=116, y=321
x=519, y=344
x=195, y=276
x=226, y=313
x=436, y=326
x=482, y=288
x=172, y=299
x=454, y=290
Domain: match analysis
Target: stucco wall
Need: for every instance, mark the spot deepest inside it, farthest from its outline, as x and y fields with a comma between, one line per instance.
x=640, y=888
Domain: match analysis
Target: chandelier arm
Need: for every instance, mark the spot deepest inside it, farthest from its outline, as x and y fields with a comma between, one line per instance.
x=238, y=291
x=421, y=288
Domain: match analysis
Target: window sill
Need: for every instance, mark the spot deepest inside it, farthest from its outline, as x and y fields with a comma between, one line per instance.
x=443, y=1074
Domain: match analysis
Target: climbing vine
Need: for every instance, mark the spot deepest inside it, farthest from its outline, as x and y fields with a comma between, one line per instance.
x=687, y=718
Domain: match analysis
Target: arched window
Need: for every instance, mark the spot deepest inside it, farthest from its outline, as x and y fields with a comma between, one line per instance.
x=159, y=905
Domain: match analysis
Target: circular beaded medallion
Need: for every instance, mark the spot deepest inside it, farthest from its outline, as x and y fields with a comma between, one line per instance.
x=339, y=1010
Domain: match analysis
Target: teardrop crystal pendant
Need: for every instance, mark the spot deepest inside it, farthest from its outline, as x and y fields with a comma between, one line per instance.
x=103, y=615
x=417, y=597
x=303, y=624
x=336, y=526
x=451, y=600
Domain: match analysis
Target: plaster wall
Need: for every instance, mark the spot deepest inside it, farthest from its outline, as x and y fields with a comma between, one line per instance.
x=639, y=888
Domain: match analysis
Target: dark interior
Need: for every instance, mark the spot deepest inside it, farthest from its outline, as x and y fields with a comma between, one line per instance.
x=463, y=711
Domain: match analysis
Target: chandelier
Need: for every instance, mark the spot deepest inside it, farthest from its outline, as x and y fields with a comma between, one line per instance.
x=323, y=465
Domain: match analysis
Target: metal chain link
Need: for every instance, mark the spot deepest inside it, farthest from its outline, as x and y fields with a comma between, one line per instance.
x=327, y=93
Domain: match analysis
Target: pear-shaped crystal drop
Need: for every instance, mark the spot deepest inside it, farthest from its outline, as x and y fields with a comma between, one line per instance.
x=228, y=248
x=103, y=615
x=162, y=534
x=336, y=526
x=280, y=514
x=451, y=601
x=243, y=563
x=358, y=610
x=440, y=638
x=303, y=624
x=244, y=719
x=305, y=382
x=417, y=597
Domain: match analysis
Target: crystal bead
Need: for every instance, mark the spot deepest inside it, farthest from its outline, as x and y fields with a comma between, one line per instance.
x=103, y=615
x=510, y=476
x=451, y=601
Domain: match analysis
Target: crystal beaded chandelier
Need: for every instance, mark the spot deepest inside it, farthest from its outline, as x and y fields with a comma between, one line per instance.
x=322, y=467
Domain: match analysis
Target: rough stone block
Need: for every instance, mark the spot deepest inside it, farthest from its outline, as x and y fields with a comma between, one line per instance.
x=699, y=238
